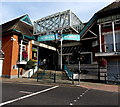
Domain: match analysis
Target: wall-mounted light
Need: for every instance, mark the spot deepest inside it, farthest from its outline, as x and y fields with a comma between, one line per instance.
x=12, y=38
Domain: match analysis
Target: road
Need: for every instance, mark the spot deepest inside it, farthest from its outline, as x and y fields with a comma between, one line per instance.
x=30, y=94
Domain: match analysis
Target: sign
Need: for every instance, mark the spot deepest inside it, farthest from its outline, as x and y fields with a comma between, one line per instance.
x=46, y=38
x=58, y=36
x=74, y=37
x=71, y=37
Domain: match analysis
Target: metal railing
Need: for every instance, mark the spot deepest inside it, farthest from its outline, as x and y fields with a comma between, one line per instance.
x=88, y=73
x=53, y=77
x=110, y=47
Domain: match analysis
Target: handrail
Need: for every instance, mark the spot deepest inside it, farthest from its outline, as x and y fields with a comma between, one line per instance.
x=68, y=72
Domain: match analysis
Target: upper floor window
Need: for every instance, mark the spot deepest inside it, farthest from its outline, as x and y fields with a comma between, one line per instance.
x=108, y=45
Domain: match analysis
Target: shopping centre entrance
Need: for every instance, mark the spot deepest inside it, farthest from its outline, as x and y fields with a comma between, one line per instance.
x=47, y=58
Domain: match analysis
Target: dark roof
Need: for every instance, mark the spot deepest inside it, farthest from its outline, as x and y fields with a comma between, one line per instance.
x=88, y=25
x=19, y=25
x=111, y=6
x=111, y=9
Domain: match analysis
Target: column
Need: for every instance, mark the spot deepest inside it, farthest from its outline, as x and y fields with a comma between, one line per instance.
x=21, y=50
x=100, y=37
x=61, y=54
x=114, y=44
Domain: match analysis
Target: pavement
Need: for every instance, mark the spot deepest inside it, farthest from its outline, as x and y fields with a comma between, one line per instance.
x=89, y=85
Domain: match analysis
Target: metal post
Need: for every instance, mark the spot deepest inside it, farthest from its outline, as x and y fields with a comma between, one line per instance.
x=100, y=38
x=105, y=79
x=68, y=59
x=37, y=77
x=98, y=73
x=18, y=72
x=54, y=78
x=79, y=78
x=114, y=44
x=33, y=71
x=79, y=74
x=37, y=58
x=72, y=80
x=61, y=53
x=79, y=66
x=29, y=74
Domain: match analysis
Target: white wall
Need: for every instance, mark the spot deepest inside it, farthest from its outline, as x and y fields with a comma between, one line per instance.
x=1, y=65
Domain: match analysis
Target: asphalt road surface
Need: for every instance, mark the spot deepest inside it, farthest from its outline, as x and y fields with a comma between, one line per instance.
x=30, y=94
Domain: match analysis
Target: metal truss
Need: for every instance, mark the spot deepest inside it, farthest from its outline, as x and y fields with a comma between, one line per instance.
x=66, y=21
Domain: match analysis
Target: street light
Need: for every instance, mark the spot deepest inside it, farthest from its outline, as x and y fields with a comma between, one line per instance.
x=79, y=69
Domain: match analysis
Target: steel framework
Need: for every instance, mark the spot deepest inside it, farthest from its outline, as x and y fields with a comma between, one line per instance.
x=66, y=21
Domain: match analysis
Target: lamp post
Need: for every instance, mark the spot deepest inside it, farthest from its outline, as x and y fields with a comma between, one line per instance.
x=55, y=56
x=78, y=70
x=61, y=39
x=61, y=54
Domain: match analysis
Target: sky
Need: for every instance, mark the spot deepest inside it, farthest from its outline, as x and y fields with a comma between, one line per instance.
x=85, y=9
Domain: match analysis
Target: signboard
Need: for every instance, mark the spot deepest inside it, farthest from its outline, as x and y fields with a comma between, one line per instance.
x=46, y=38
x=74, y=37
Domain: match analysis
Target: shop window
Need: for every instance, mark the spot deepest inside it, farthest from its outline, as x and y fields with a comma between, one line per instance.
x=34, y=54
x=24, y=53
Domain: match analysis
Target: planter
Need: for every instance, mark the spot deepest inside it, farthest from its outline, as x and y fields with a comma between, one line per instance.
x=102, y=62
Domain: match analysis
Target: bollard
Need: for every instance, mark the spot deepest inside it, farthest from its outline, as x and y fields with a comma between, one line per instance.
x=72, y=80
x=54, y=78
x=78, y=78
x=37, y=77
x=105, y=79
x=28, y=75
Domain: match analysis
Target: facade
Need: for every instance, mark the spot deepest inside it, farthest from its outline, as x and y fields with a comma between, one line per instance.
x=105, y=26
x=16, y=45
x=1, y=61
x=64, y=37
x=19, y=46
x=1, y=55
x=109, y=38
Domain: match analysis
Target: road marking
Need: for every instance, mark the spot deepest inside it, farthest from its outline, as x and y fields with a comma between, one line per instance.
x=71, y=103
x=26, y=92
x=75, y=100
x=80, y=95
x=26, y=96
x=83, y=93
x=86, y=90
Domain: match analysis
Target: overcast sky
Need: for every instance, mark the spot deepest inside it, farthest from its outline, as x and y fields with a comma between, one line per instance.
x=38, y=9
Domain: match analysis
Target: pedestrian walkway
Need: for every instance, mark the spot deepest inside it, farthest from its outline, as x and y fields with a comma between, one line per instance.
x=98, y=86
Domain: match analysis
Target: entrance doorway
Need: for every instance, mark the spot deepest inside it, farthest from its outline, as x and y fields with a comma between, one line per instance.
x=48, y=58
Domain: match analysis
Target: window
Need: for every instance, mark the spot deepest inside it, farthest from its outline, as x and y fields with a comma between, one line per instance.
x=34, y=54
